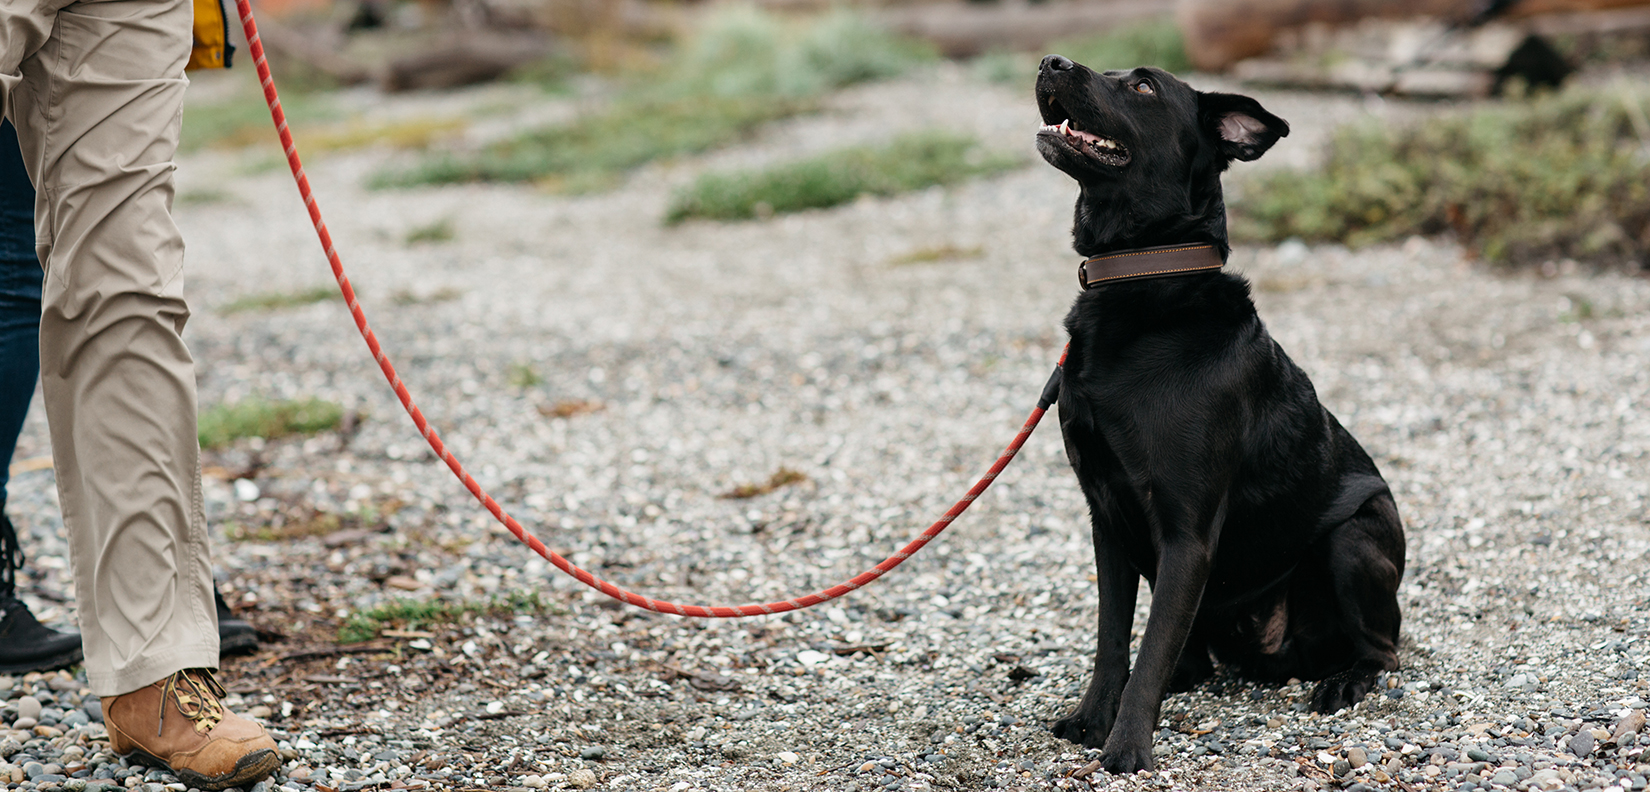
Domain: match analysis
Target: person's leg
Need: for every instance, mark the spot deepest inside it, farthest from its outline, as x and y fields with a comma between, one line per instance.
x=25, y=644
x=98, y=114
x=98, y=108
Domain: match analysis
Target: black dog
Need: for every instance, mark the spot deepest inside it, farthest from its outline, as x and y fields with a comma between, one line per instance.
x=1210, y=468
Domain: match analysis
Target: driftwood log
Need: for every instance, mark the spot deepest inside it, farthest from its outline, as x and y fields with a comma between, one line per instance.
x=473, y=59
x=1220, y=33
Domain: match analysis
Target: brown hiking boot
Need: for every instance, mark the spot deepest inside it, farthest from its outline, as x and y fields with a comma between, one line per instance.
x=206, y=745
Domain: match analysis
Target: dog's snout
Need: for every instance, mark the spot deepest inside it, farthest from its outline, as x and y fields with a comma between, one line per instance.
x=1057, y=63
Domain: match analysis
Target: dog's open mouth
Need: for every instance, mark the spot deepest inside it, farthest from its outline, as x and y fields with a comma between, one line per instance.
x=1106, y=150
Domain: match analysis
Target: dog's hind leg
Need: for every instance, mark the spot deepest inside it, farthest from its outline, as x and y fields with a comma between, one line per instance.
x=1090, y=724
x=1194, y=665
x=1366, y=561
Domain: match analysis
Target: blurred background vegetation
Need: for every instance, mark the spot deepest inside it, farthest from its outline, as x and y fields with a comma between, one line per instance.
x=1520, y=172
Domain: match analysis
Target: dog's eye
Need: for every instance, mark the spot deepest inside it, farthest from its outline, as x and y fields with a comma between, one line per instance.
x=1145, y=87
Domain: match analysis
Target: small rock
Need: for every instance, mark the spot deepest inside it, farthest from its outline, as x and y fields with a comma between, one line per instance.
x=1342, y=767
x=582, y=778
x=1478, y=754
x=1630, y=723
x=1504, y=777
x=1582, y=744
x=789, y=757
x=24, y=724
x=811, y=657
x=260, y=711
x=29, y=707
x=534, y=782
x=1356, y=757
x=593, y=752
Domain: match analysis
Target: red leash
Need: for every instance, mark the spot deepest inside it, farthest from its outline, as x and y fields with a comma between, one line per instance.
x=1050, y=391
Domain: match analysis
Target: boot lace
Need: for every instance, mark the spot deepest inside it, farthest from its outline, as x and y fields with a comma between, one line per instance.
x=197, y=695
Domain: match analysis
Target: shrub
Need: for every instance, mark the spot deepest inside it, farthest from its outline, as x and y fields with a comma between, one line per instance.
x=911, y=162
x=1521, y=182
x=226, y=423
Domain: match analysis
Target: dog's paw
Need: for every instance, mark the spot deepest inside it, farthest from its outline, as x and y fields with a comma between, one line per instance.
x=1127, y=759
x=1342, y=690
x=1085, y=731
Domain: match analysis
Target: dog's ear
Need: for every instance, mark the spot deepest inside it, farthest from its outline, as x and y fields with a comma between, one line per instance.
x=1240, y=127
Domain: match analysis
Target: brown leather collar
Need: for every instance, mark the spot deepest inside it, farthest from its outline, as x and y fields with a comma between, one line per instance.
x=1152, y=262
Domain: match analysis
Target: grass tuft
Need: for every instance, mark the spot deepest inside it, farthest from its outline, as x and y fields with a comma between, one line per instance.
x=594, y=151
x=783, y=477
x=226, y=423
x=908, y=163
x=746, y=68
x=929, y=255
x=269, y=301
x=438, y=231
x=412, y=614
x=1523, y=182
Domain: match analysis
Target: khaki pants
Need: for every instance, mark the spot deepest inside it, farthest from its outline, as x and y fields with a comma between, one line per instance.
x=95, y=89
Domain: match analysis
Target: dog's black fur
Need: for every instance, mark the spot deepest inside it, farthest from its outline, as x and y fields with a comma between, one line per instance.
x=1264, y=529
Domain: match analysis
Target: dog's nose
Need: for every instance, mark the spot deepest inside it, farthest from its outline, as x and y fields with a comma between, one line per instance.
x=1057, y=63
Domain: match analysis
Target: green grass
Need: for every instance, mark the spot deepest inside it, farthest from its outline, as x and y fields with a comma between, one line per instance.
x=908, y=163
x=744, y=69
x=226, y=423
x=594, y=151
x=414, y=614
x=269, y=301
x=243, y=119
x=1521, y=182
x=438, y=231
x=1151, y=43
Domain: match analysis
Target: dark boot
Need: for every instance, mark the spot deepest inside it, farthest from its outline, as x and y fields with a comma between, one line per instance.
x=235, y=635
x=26, y=644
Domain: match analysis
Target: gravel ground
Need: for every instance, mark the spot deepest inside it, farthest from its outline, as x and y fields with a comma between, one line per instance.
x=609, y=379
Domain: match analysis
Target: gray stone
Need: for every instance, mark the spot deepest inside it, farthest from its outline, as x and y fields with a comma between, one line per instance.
x=1505, y=777
x=29, y=707
x=1581, y=744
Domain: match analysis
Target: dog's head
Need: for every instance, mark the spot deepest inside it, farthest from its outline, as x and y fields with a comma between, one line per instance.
x=1147, y=150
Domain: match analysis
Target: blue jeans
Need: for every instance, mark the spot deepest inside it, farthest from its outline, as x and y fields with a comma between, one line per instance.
x=20, y=277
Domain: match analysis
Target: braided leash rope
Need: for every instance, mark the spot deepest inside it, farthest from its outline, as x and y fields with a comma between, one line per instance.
x=1050, y=391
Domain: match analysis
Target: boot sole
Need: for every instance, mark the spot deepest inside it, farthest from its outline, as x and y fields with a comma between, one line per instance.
x=49, y=663
x=249, y=769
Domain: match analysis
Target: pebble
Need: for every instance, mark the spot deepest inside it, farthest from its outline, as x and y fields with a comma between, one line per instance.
x=1581, y=744
x=1414, y=370
x=1356, y=757
x=582, y=778
x=29, y=707
x=1630, y=723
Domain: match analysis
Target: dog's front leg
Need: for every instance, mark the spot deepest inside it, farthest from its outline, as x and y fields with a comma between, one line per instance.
x=1091, y=722
x=1182, y=569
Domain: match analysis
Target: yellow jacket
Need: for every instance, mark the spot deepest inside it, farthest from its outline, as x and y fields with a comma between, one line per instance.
x=212, y=47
